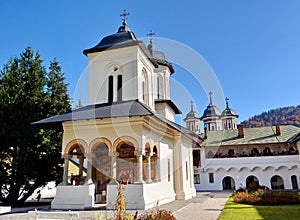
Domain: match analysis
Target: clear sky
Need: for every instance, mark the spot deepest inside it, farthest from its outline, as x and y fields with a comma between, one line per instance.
x=253, y=47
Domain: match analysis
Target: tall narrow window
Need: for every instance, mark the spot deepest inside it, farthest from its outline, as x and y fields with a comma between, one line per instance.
x=110, y=89
x=169, y=171
x=119, y=92
x=157, y=87
x=186, y=170
x=211, y=177
x=143, y=88
x=197, y=178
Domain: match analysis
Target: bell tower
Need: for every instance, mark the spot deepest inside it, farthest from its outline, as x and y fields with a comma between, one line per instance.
x=120, y=68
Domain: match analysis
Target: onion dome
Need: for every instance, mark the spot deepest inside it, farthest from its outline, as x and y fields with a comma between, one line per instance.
x=192, y=114
x=211, y=110
x=228, y=111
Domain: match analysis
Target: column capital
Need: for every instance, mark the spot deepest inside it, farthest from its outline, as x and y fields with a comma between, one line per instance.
x=113, y=154
x=67, y=156
x=139, y=153
x=90, y=155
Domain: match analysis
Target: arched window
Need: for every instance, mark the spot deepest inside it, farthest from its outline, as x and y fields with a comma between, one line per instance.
x=110, y=89
x=119, y=92
x=145, y=87
x=158, y=87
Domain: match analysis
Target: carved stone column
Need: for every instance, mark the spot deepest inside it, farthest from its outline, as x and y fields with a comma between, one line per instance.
x=139, y=176
x=89, y=179
x=148, y=178
x=81, y=160
x=157, y=170
x=66, y=168
x=113, y=156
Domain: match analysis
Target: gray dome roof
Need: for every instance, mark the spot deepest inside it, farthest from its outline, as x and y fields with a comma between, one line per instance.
x=228, y=111
x=192, y=114
x=211, y=110
x=123, y=37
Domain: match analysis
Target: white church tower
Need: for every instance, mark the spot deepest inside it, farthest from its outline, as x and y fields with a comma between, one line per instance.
x=121, y=68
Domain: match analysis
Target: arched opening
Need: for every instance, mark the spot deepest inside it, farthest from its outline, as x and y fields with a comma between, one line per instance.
x=277, y=182
x=145, y=87
x=228, y=183
x=101, y=171
x=267, y=152
x=110, y=89
x=155, y=165
x=254, y=152
x=231, y=153
x=77, y=172
x=252, y=182
x=126, y=163
x=294, y=182
x=119, y=88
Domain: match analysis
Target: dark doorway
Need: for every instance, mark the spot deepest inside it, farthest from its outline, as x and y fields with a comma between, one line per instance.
x=294, y=182
x=228, y=183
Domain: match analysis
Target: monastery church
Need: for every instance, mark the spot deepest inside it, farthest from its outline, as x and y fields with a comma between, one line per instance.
x=127, y=134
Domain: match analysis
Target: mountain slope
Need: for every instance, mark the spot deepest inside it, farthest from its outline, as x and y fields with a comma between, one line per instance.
x=286, y=115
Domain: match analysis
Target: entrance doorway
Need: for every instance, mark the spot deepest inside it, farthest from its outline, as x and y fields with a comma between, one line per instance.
x=228, y=183
x=252, y=182
x=294, y=182
x=277, y=182
x=101, y=170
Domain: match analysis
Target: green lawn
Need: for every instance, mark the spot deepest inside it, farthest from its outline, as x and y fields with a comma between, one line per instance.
x=237, y=211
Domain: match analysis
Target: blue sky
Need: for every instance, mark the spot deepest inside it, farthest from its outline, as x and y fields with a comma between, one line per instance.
x=252, y=46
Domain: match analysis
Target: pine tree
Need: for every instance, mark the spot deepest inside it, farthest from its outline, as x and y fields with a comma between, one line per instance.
x=30, y=156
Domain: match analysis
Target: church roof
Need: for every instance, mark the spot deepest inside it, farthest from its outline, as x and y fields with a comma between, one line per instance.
x=260, y=135
x=170, y=103
x=228, y=111
x=192, y=114
x=123, y=38
x=211, y=110
x=108, y=110
x=160, y=57
x=99, y=111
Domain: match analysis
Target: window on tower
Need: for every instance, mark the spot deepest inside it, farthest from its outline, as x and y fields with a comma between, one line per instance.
x=119, y=92
x=110, y=89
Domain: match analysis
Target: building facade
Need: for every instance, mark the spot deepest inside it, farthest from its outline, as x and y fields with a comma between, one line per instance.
x=232, y=157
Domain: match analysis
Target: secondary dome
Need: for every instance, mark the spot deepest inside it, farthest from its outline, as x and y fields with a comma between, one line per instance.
x=192, y=114
x=228, y=111
x=211, y=109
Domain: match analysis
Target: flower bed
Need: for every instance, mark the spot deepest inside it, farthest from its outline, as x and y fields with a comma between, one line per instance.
x=267, y=197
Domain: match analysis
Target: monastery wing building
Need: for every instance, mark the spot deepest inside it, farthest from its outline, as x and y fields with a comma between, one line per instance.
x=127, y=132
x=233, y=157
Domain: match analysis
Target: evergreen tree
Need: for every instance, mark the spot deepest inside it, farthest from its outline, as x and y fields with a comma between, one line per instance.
x=30, y=156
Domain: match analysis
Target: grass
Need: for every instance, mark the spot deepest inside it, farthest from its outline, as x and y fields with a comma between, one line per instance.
x=235, y=211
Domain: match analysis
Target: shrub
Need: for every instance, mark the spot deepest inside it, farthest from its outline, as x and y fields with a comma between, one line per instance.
x=267, y=197
x=157, y=215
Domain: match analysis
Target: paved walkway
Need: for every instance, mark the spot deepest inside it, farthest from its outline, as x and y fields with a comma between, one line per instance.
x=208, y=205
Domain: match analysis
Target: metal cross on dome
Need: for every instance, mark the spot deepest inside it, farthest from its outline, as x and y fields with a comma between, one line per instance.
x=124, y=15
x=151, y=34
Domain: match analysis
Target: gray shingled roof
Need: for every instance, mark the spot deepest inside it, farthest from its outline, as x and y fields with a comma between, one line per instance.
x=261, y=135
x=107, y=110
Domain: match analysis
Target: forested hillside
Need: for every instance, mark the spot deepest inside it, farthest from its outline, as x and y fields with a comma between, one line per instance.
x=286, y=115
